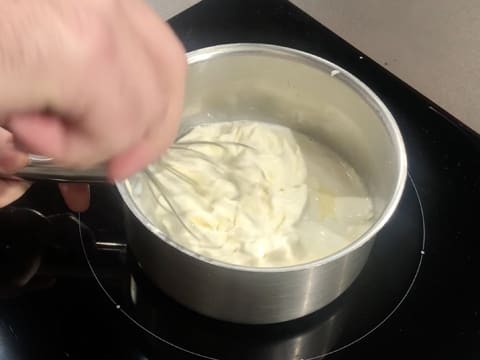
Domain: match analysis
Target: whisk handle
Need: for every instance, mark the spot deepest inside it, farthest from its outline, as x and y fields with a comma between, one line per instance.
x=43, y=169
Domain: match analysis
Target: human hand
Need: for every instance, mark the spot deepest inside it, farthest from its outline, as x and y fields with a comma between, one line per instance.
x=76, y=196
x=86, y=83
x=10, y=161
x=89, y=82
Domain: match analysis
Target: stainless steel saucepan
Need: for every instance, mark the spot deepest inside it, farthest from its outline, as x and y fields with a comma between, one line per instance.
x=312, y=96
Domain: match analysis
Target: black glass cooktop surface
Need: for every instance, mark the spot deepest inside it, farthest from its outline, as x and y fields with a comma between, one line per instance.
x=63, y=296
x=375, y=296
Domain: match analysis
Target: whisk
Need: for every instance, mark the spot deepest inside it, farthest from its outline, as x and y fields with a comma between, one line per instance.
x=159, y=190
x=44, y=169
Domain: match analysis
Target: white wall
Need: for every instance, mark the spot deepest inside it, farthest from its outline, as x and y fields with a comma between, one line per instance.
x=434, y=45
x=170, y=8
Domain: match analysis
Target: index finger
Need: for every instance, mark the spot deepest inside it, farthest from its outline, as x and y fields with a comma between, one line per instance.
x=11, y=159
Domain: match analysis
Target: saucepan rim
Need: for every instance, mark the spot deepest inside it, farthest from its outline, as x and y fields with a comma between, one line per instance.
x=341, y=74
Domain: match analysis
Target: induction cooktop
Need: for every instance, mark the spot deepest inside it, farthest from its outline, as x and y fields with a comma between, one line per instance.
x=70, y=288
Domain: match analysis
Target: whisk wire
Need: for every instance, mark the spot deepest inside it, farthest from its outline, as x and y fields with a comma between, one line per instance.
x=156, y=187
x=222, y=144
x=195, y=152
x=176, y=172
x=161, y=191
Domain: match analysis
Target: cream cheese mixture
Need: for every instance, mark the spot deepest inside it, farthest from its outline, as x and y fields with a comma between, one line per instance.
x=259, y=195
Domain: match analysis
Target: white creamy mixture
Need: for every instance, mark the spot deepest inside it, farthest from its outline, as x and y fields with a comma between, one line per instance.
x=281, y=200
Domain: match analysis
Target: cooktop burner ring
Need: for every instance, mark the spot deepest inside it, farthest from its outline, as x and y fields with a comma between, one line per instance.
x=125, y=312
